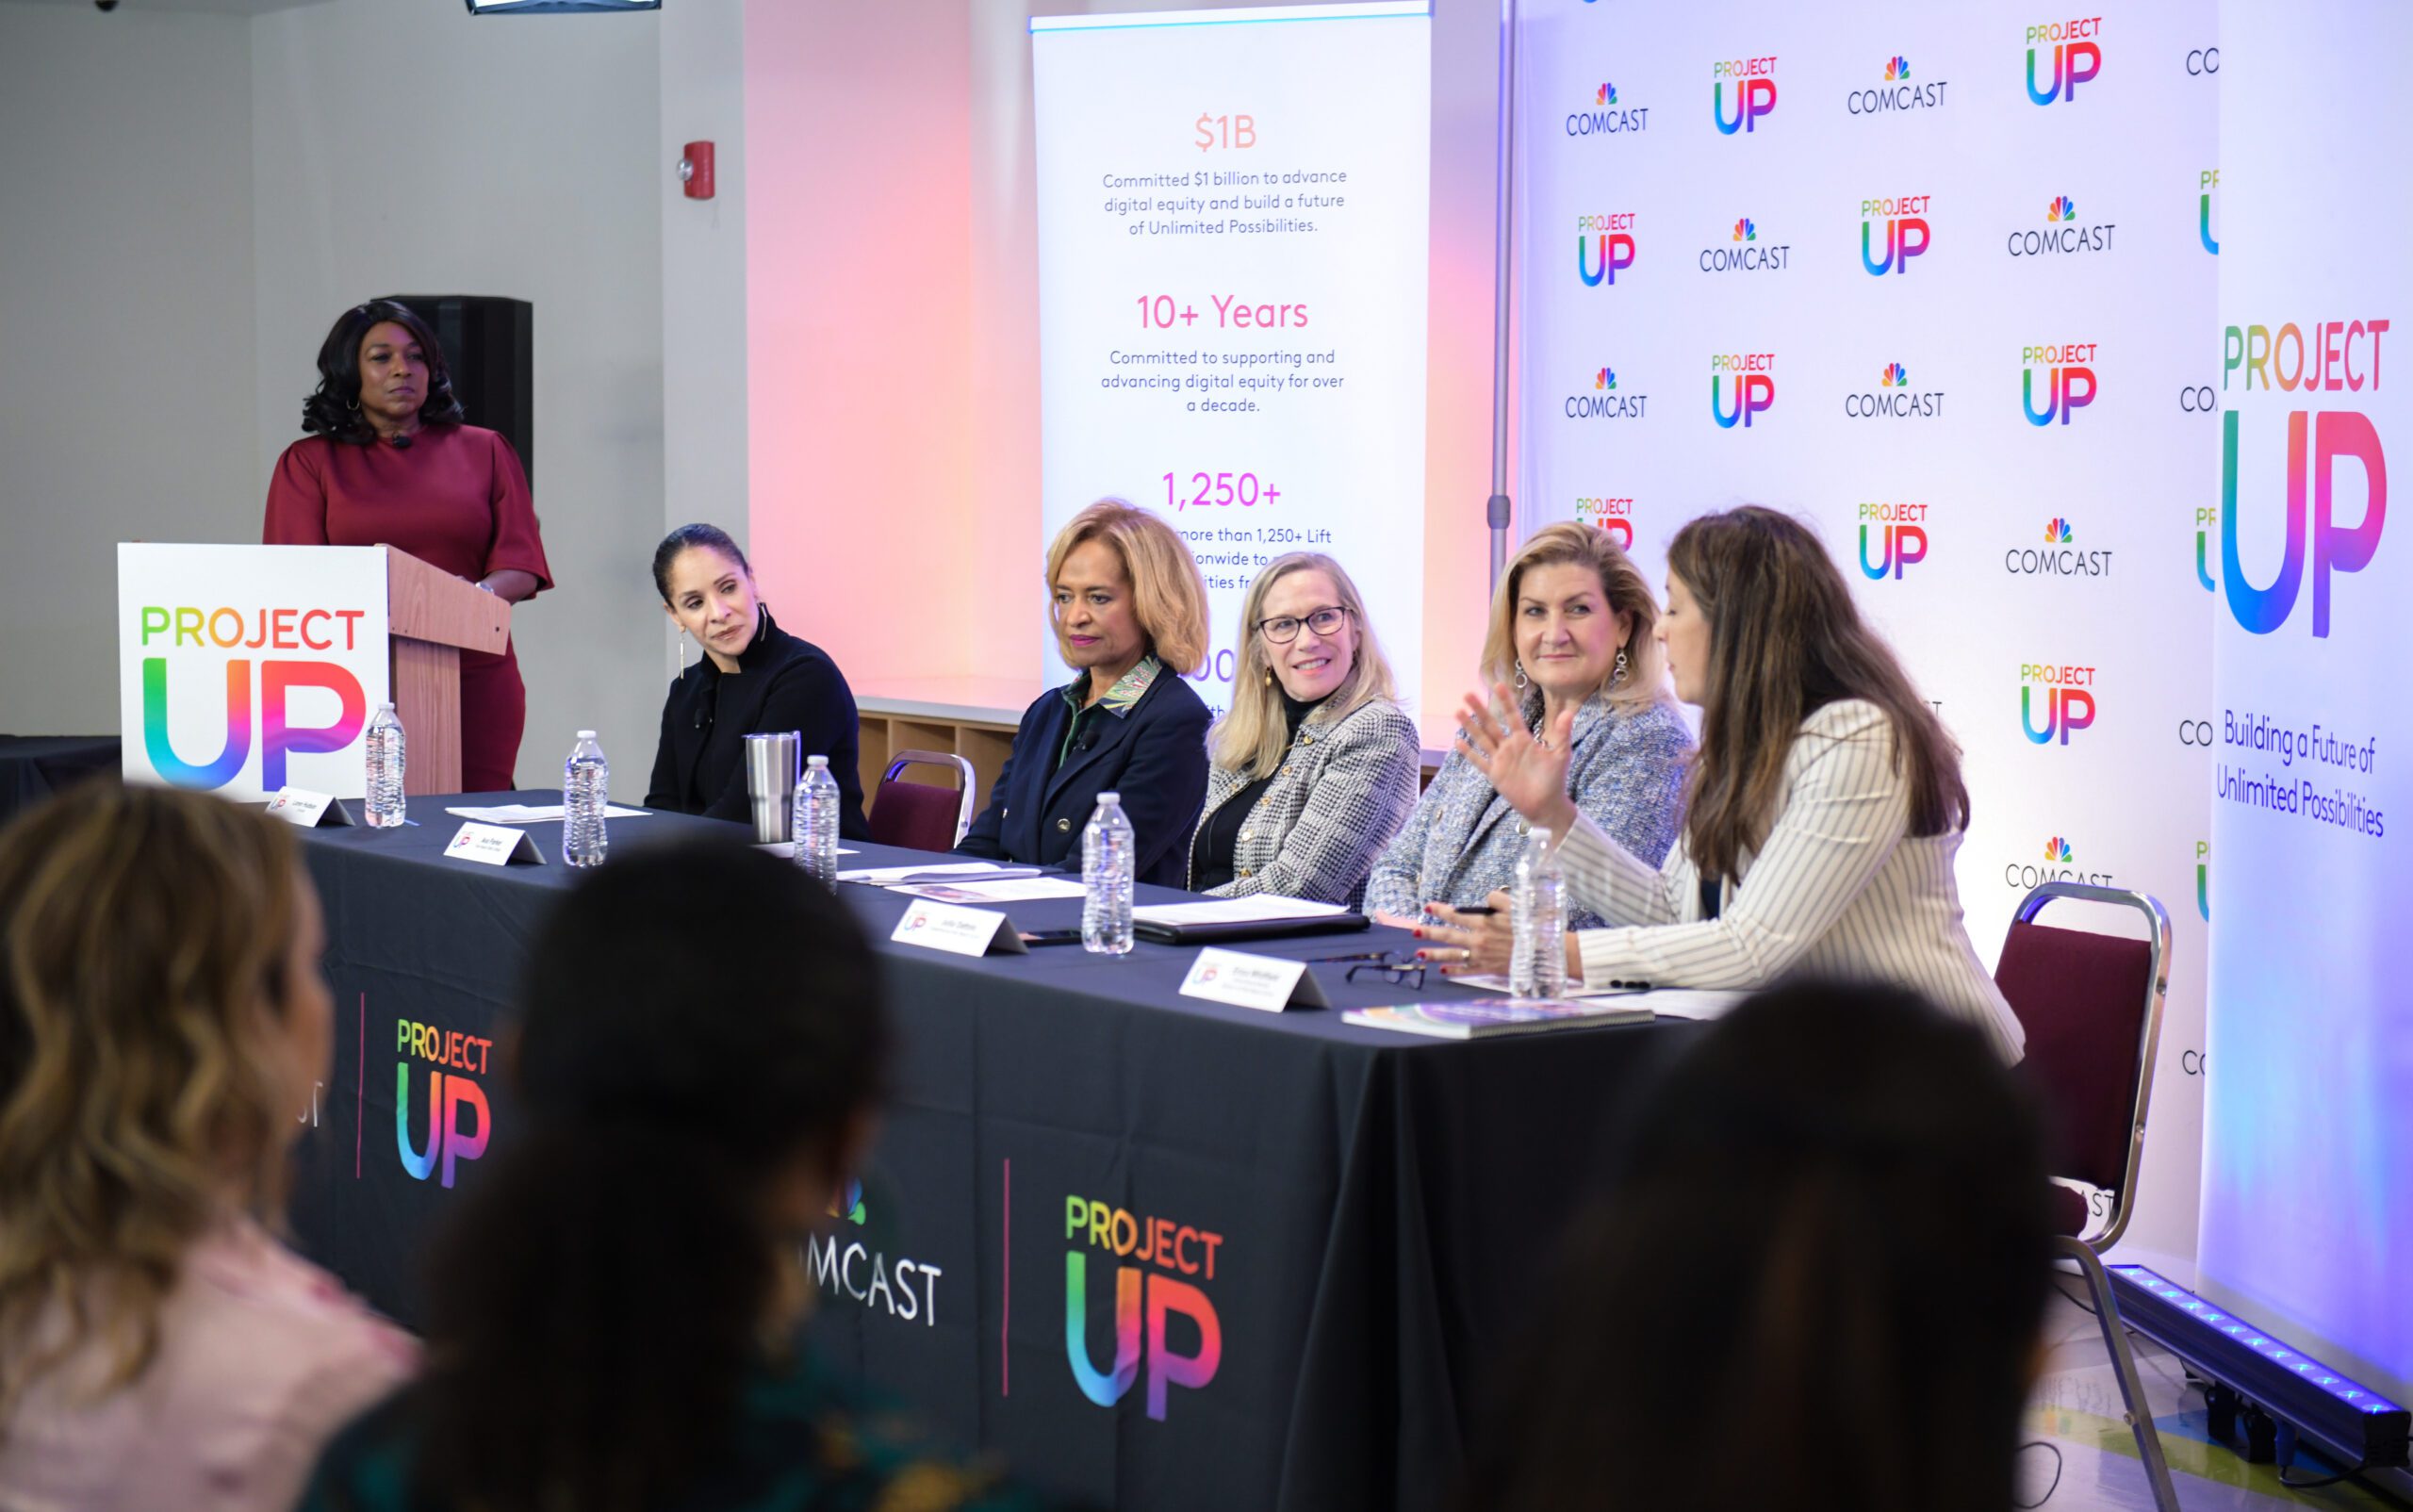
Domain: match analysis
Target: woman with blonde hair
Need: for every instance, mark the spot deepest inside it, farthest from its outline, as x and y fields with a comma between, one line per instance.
x=1314, y=765
x=1572, y=629
x=162, y=1019
x=1130, y=612
x=1826, y=806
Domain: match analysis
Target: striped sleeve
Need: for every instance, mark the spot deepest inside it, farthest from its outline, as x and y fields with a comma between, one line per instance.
x=1845, y=809
x=1605, y=878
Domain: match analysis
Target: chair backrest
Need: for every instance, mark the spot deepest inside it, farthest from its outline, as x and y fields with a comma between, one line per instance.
x=2092, y=1006
x=917, y=815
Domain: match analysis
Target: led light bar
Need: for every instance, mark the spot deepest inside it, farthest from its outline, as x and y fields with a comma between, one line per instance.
x=2346, y=1418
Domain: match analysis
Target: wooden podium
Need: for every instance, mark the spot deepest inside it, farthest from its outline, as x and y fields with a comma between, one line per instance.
x=431, y=618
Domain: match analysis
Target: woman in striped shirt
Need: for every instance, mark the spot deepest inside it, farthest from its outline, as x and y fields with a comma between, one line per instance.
x=1823, y=811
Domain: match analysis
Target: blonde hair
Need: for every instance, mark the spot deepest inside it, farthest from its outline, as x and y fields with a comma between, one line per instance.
x=1252, y=737
x=1646, y=665
x=1168, y=595
x=144, y=937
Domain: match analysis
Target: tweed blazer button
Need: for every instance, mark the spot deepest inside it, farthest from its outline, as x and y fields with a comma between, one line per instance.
x=1248, y=834
x=1063, y=824
x=1247, y=871
x=1522, y=827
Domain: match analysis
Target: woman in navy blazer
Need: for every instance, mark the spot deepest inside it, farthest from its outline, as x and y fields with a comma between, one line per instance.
x=1130, y=618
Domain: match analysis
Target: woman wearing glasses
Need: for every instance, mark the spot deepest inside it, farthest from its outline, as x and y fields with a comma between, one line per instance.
x=1571, y=628
x=1315, y=765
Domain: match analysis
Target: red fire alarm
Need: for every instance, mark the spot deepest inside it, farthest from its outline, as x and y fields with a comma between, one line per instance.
x=696, y=169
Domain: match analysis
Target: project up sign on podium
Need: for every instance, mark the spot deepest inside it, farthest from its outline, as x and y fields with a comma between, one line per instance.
x=244, y=669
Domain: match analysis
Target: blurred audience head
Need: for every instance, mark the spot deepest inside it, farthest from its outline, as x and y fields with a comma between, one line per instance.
x=698, y=1059
x=162, y=1021
x=1816, y=1280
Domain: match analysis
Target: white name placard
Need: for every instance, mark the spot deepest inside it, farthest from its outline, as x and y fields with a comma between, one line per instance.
x=493, y=844
x=304, y=809
x=1265, y=983
x=957, y=931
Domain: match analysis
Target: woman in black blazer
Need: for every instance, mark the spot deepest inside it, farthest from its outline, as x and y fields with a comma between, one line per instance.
x=1130, y=618
x=753, y=677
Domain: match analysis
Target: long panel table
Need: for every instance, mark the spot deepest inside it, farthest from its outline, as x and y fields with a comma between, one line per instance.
x=1160, y=1253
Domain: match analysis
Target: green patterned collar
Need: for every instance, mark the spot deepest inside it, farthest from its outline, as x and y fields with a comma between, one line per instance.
x=1119, y=699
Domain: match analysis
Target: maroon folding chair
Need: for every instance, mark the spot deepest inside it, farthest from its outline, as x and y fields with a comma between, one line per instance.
x=2092, y=1006
x=917, y=815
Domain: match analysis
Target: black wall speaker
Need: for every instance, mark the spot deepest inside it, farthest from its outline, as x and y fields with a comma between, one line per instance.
x=488, y=341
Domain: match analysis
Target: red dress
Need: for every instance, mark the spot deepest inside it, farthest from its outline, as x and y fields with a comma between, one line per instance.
x=456, y=497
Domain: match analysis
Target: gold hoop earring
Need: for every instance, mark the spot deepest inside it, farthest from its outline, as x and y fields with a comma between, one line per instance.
x=1617, y=674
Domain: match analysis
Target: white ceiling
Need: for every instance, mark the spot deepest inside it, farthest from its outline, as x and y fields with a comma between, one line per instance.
x=187, y=8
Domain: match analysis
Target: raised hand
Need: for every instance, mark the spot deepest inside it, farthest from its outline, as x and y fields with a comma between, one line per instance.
x=1530, y=773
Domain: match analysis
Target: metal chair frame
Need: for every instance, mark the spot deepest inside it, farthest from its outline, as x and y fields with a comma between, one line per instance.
x=2088, y=1253
x=966, y=781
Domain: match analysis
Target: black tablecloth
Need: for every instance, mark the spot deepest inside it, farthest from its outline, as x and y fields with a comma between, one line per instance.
x=32, y=767
x=1352, y=1224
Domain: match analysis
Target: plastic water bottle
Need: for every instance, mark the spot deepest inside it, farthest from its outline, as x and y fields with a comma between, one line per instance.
x=1538, y=967
x=816, y=821
x=385, y=805
x=587, y=792
x=1110, y=870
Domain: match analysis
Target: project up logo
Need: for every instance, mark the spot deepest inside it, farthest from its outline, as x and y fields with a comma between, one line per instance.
x=2326, y=356
x=454, y=1060
x=1751, y=84
x=1747, y=376
x=1603, y=247
x=1896, y=227
x=1899, y=533
x=2063, y=55
x=2065, y=371
x=2204, y=183
x=1613, y=515
x=1606, y=116
x=1175, y=1263
x=161, y=628
x=2062, y=695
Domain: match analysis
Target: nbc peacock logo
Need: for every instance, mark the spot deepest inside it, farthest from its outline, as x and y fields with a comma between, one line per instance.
x=2061, y=208
x=2056, y=531
x=1896, y=95
x=1605, y=401
x=1743, y=251
x=1893, y=399
x=1896, y=376
x=1746, y=231
x=1606, y=115
x=2060, y=864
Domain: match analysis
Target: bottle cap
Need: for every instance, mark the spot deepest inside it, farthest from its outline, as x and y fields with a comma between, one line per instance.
x=1109, y=797
x=587, y=735
x=384, y=708
x=816, y=761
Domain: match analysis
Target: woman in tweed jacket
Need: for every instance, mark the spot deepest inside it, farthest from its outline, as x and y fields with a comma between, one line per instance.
x=1571, y=628
x=1315, y=765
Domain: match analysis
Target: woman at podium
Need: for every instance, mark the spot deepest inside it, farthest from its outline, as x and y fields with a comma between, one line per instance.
x=389, y=462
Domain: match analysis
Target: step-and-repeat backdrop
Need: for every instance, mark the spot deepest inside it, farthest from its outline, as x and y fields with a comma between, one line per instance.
x=1943, y=284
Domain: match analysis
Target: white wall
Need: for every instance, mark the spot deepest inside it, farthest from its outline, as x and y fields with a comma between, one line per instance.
x=703, y=279
x=417, y=147
x=125, y=328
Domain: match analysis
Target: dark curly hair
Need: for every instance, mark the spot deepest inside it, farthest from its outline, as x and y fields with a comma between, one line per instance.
x=333, y=409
